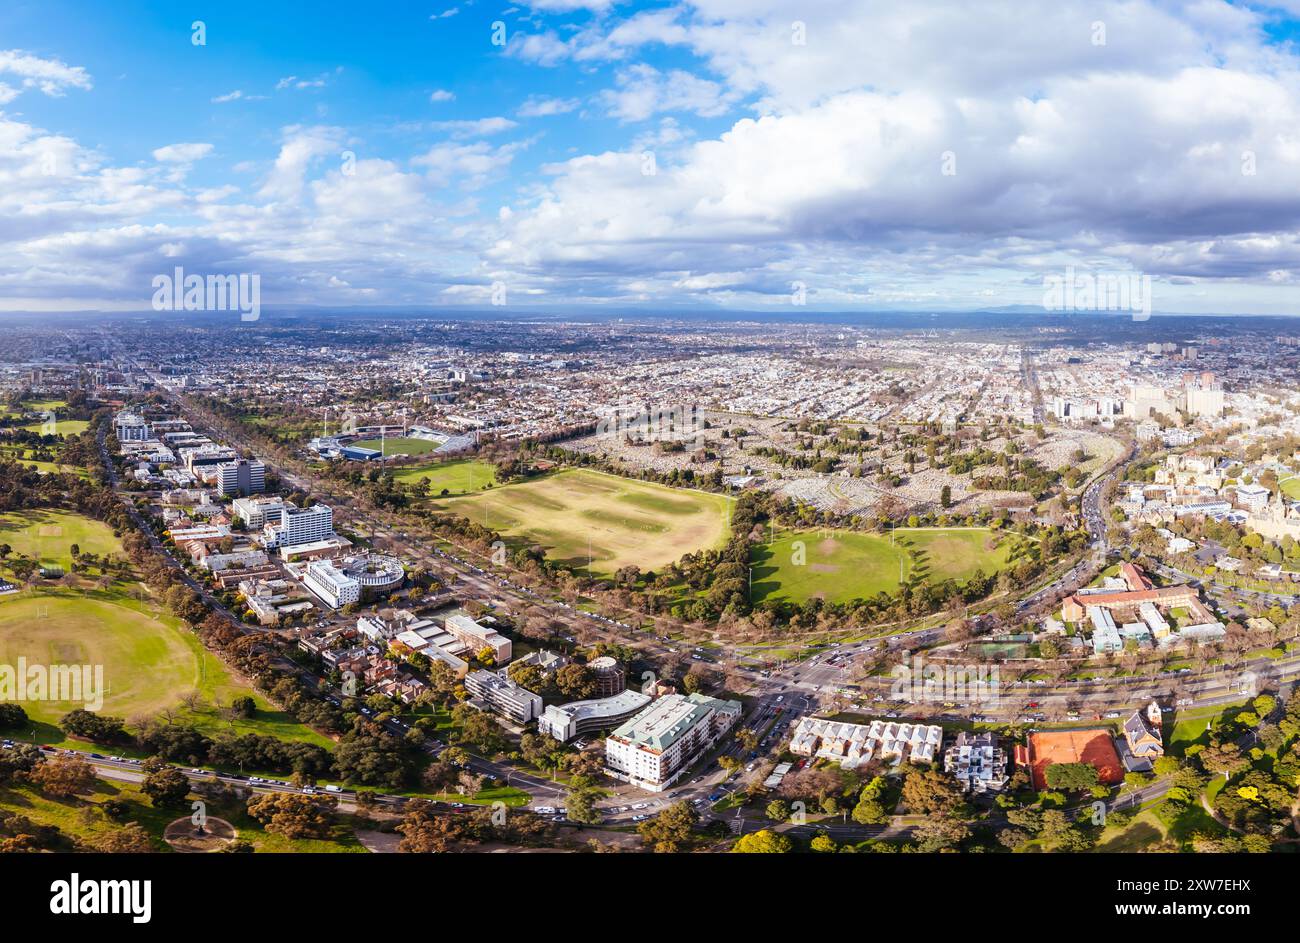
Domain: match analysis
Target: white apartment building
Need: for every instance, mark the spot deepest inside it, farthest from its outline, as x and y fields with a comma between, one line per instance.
x=851, y=745
x=977, y=762
x=1204, y=400
x=131, y=428
x=302, y=526
x=256, y=512
x=566, y=721
x=198, y=456
x=503, y=696
x=331, y=584
x=662, y=741
x=477, y=637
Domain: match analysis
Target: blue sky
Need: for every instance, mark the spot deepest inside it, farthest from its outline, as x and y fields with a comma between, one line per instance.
x=739, y=153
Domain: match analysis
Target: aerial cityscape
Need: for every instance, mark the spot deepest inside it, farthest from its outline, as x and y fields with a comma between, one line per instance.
x=651, y=429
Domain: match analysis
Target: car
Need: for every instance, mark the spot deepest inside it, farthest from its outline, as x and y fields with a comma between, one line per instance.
x=780, y=698
x=308, y=791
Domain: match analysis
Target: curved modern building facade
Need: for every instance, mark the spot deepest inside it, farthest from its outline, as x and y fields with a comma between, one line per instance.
x=566, y=721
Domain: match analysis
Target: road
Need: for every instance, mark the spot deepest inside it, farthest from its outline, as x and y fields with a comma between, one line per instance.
x=798, y=688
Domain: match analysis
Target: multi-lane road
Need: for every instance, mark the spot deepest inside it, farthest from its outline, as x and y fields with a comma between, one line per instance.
x=802, y=686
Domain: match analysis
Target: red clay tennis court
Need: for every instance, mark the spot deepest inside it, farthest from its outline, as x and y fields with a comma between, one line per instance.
x=1094, y=745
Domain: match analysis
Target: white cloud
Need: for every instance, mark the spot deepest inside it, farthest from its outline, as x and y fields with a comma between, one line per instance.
x=470, y=165
x=301, y=148
x=182, y=153
x=442, y=95
x=644, y=91
x=479, y=127
x=292, y=81
x=829, y=172
x=53, y=77
x=540, y=107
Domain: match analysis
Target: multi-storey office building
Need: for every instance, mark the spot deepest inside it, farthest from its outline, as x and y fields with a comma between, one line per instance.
x=241, y=477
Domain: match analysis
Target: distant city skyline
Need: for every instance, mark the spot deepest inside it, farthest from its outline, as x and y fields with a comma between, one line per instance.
x=761, y=156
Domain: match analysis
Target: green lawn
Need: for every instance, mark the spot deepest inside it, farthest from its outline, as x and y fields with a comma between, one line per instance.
x=47, y=535
x=578, y=515
x=82, y=817
x=61, y=427
x=842, y=565
x=1291, y=487
x=506, y=795
x=1192, y=726
x=34, y=406
x=149, y=662
x=398, y=446
x=1144, y=830
x=458, y=476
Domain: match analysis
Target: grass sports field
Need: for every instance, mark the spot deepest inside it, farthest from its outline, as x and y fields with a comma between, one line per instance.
x=34, y=406
x=146, y=663
x=459, y=476
x=839, y=566
x=149, y=662
x=61, y=427
x=398, y=446
x=47, y=535
x=618, y=521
